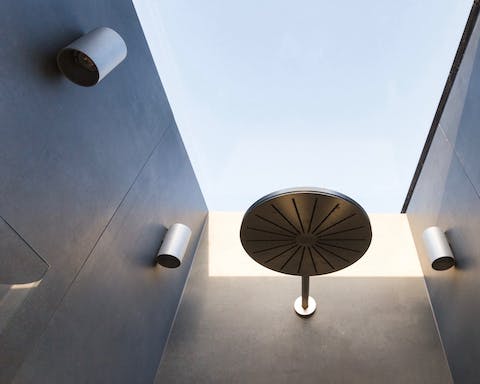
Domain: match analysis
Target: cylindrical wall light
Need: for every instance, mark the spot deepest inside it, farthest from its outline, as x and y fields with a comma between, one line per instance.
x=174, y=245
x=438, y=249
x=90, y=58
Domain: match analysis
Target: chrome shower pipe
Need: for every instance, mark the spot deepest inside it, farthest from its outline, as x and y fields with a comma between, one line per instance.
x=305, y=291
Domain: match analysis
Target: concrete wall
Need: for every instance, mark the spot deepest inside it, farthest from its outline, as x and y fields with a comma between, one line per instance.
x=89, y=180
x=447, y=194
x=373, y=323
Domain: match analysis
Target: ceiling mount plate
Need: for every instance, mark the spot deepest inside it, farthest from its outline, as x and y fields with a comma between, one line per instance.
x=308, y=310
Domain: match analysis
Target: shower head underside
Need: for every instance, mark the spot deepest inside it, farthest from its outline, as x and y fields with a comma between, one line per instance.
x=306, y=231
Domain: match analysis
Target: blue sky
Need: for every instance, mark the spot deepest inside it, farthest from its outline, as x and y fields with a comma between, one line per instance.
x=276, y=94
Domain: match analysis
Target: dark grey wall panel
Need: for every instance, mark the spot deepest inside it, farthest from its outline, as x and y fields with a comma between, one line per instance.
x=446, y=195
x=461, y=116
x=68, y=154
x=114, y=321
x=244, y=330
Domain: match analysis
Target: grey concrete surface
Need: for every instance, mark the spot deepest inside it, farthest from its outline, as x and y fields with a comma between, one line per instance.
x=462, y=113
x=19, y=264
x=69, y=157
x=244, y=330
x=447, y=195
x=451, y=117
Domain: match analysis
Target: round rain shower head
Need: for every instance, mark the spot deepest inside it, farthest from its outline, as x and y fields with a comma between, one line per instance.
x=305, y=231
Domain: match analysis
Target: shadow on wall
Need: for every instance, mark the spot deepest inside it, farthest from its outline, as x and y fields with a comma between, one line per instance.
x=46, y=52
x=142, y=245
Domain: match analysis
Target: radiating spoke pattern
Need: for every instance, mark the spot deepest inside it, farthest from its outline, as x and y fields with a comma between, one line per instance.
x=306, y=231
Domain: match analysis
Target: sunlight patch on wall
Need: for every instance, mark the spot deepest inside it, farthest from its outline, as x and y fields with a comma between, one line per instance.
x=391, y=254
x=11, y=298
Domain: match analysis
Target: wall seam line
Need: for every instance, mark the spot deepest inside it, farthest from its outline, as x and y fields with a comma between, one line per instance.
x=457, y=61
x=200, y=238
x=462, y=164
x=26, y=242
x=435, y=322
x=438, y=329
x=67, y=289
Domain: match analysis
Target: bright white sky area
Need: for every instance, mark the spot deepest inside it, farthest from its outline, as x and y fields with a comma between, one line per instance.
x=275, y=94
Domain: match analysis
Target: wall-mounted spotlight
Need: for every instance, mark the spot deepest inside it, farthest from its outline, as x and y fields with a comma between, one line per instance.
x=174, y=245
x=438, y=249
x=90, y=58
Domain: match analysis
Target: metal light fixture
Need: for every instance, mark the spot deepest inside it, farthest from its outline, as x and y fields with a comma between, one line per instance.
x=90, y=58
x=174, y=246
x=438, y=249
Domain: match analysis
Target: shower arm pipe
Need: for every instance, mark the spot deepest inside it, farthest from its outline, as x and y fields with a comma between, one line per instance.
x=305, y=291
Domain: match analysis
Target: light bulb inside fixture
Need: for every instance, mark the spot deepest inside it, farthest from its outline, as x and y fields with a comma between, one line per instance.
x=84, y=61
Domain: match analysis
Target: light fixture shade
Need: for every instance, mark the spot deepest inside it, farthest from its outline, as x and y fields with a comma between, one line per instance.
x=91, y=57
x=174, y=246
x=438, y=249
